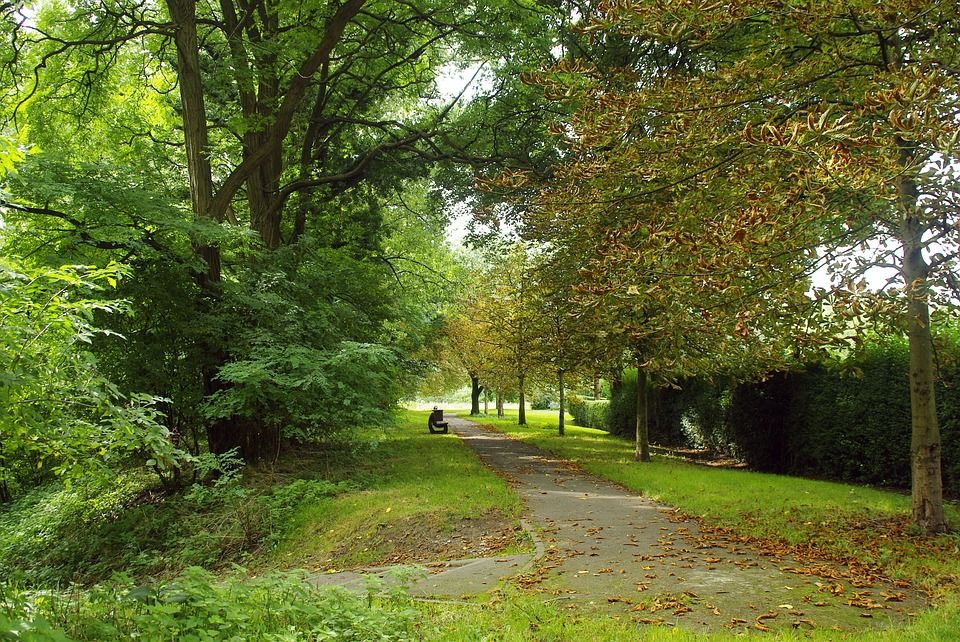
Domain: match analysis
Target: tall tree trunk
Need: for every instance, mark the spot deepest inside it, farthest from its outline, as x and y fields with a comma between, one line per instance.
x=596, y=386
x=927, y=485
x=563, y=409
x=499, y=403
x=925, y=439
x=475, y=390
x=642, y=451
x=522, y=412
x=486, y=400
x=222, y=434
x=195, y=133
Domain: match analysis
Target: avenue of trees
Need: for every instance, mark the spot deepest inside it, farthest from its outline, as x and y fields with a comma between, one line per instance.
x=734, y=152
x=223, y=223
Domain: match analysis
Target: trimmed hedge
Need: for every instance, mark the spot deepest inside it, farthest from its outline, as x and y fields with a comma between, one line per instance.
x=589, y=413
x=848, y=420
x=667, y=407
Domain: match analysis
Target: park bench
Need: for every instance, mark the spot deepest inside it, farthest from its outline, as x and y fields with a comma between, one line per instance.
x=436, y=423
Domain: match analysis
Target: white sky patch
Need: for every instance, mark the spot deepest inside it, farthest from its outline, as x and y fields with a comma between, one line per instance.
x=460, y=217
x=467, y=80
x=468, y=77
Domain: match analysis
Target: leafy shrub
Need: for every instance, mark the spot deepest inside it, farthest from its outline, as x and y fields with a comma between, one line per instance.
x=589, y=413
x=664, y=413
x=85, y=532
x=199, y=607
x=576, y=406
x=623, y=405
x=60, y=414
x=543, y=400
x=848, y=420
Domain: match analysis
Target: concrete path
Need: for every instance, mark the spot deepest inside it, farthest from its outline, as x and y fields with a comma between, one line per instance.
x=610, y=548
x=600, y=546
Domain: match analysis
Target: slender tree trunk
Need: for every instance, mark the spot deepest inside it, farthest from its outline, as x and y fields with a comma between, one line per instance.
x=563, y=409
x=499, y=404
x=596, y=386
x=925, y=439
x=522, y=413
x=486, y=401
x=475, y=390
x=642, y=452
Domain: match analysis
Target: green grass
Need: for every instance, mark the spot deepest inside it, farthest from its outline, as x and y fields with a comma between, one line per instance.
x=520, y=617
x=414, y=478
x=821, y=518
x=334, y=507
x=344, y=508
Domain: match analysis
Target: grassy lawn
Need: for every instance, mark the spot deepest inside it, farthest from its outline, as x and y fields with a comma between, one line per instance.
x=413, y=484
x=819, y=518
x=403, y=482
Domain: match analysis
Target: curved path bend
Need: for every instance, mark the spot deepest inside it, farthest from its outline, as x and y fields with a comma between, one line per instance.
x=609, y=547
x=600, y=546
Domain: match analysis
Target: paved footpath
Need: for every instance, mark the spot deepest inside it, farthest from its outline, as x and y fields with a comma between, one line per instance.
x=600, y=546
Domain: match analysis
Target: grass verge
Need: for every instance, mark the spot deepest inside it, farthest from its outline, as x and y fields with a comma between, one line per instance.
x=421, y=496
x=390, y=494
x=817, y=519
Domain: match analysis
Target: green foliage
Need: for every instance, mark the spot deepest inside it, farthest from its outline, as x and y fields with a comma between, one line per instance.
x=589, y=413
x=307, y=393
x=58, y=412
x=846, y=419
x=94, y=528
x=542, y=400
x=200, y=607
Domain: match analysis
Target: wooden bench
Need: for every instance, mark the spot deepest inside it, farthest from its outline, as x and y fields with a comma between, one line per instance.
x=436, y=424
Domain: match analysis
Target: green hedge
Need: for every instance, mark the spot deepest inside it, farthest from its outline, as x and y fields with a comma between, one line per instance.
x=848, y=420
x=667, y=407
x=588, y=413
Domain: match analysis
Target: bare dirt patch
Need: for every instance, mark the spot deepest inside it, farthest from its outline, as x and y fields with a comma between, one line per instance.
x=420, y=539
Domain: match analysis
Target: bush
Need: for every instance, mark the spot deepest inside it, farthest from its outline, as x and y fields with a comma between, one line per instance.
x=665, y=411
x=593, y=414
x=543, y=401
x=848, y=420
x=85, y=532
x=576, y=406
x=200, y=607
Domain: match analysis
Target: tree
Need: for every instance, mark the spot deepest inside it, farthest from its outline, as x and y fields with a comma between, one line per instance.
x=308, y=127
x=566, y=343
x=791, y=138
x=514, y=318
x=470, y=348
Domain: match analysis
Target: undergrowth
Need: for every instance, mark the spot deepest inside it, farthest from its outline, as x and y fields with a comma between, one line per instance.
x=199, y=607
x=83, y=533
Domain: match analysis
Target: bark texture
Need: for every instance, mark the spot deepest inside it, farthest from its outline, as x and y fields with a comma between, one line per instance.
x=475, y=390
x=522, y=412
x=562, y=420
x=642, y=451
